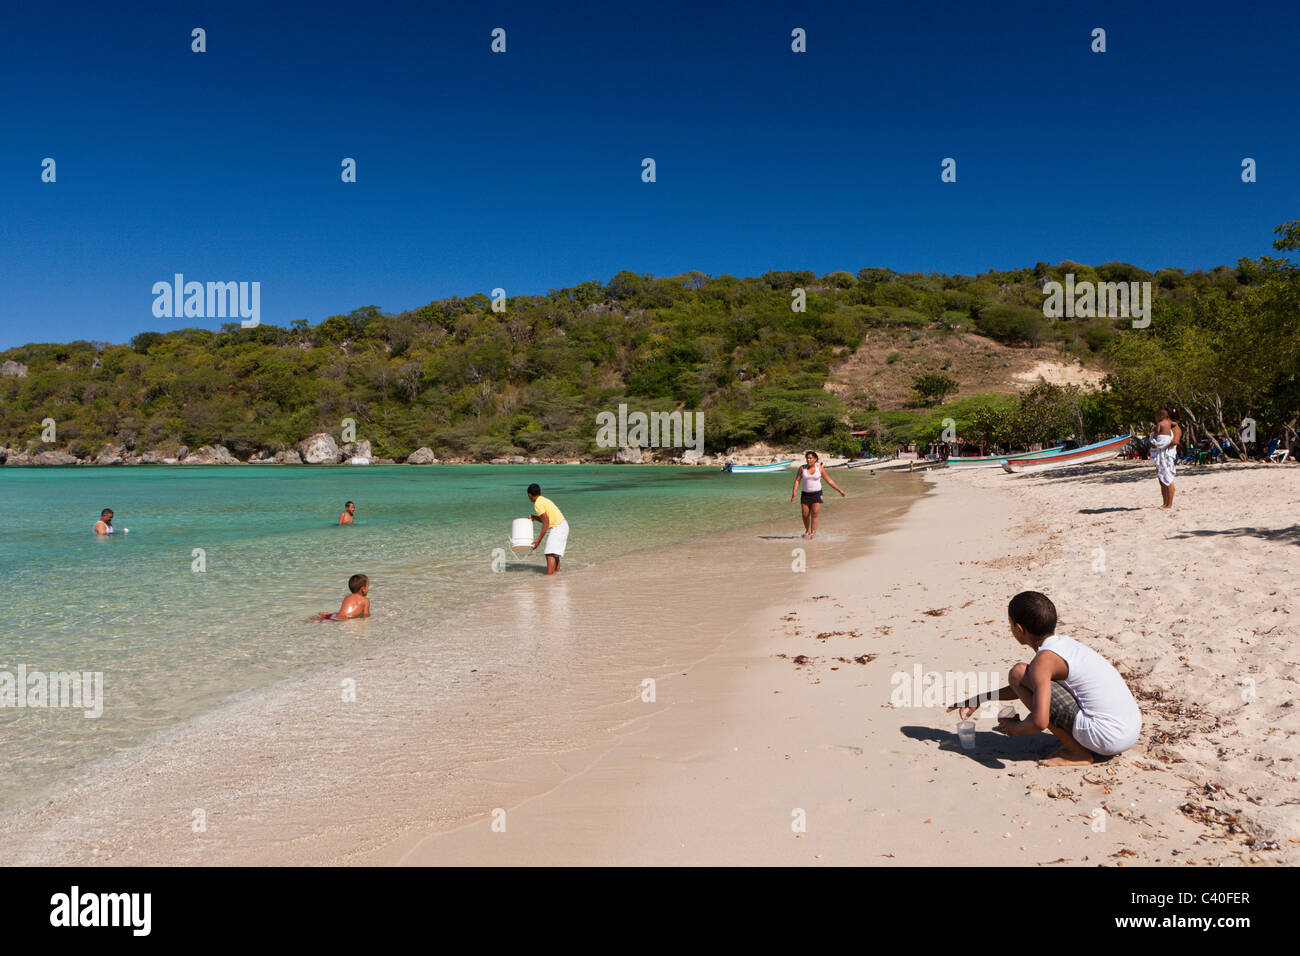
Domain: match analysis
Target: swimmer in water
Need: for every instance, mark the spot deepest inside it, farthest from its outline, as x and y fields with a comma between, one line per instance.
x=105, y=523
x=356, y=604
x=349, y=510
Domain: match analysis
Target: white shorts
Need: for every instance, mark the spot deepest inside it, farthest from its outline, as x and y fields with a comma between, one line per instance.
x=557, y=538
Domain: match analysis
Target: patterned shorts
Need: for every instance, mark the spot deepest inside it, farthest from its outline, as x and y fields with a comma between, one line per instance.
x=1064, y=707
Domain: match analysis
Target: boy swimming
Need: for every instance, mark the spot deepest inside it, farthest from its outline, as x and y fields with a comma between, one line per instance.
x=1069, y=689
x=349, y=512
x=356, y=604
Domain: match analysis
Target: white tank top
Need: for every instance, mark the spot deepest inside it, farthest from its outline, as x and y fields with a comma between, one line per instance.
x=1109, y=720
x=812, y=481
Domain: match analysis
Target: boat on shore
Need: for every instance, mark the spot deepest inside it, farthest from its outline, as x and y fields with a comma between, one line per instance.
x=905, y=464
x=858, y=463
x=995, y=461
x=1099, y=451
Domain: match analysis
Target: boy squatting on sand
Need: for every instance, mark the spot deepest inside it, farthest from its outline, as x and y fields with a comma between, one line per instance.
x=1069, y=689
x=356, y=604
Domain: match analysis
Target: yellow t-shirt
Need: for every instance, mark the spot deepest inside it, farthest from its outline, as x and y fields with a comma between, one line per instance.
x=545, y=506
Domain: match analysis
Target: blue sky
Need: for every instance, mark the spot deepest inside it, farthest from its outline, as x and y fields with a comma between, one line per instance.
x=523, y=170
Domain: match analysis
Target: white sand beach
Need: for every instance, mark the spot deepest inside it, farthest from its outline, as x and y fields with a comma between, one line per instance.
x=771, y=738
x=1191, y=605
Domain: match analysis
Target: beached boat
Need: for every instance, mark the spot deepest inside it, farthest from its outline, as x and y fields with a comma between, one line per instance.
x=1099, y=451
x=857, y=463
x=762, y=469
x=905, y=464
x=995, y=461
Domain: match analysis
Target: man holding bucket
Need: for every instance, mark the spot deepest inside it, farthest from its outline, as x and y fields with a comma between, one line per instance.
x=553, y=523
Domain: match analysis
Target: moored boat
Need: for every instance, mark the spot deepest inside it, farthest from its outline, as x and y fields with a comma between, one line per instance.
x=760, y=469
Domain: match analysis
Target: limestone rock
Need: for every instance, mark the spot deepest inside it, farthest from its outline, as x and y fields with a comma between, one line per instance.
x=211, y=455
x=55, y=458
x=320, y=449
x=628, y=455
x=356, y=449
x=422, y=456
x=111, y=455
x=12, y=369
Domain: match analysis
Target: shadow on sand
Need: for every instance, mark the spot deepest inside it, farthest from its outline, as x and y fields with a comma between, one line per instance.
x=1291, y=534
x=991, y=748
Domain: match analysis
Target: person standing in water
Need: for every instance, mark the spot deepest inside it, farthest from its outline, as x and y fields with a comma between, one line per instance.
x=349, y=511
x=554, y=528
x=810, y=500
x=105, y=523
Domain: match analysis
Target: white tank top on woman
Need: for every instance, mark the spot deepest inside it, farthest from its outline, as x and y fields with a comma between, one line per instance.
x=1109, y=720
x=812, y=481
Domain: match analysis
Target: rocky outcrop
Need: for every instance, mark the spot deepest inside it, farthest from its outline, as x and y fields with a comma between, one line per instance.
x=628, y=455
x=692, y=456
x=320, y=449
x=111, y=455
x=164, y=456
x=55, y=458
x=356, y=449
x=422, y=456
x=12, y=369
x=211, y=455
x=289, y=456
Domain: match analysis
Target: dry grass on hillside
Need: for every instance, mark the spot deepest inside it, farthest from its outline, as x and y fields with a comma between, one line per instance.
x=978, y=364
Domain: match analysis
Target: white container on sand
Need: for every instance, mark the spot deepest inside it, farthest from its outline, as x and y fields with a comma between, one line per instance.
x=966, y=734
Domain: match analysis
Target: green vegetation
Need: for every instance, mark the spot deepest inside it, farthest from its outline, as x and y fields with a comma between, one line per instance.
x=465, y=380
x=933, y=387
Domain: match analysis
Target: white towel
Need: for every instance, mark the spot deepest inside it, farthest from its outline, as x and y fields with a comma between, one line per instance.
x=1165, y=454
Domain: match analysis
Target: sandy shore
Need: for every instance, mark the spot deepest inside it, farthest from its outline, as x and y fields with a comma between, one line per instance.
x=771, y=737
x=757, y=742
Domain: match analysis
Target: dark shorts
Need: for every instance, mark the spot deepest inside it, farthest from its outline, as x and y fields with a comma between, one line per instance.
x=1064, y=707
x=810, y=497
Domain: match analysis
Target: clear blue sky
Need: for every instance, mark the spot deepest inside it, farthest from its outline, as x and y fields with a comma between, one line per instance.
x=523, y=170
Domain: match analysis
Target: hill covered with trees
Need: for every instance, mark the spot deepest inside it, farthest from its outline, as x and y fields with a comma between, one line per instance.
x=472, y=382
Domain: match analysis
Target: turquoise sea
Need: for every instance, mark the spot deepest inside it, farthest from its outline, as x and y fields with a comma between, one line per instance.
x=173, y=641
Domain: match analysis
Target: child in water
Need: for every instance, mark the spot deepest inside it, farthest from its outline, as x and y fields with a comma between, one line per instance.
x=356, y=604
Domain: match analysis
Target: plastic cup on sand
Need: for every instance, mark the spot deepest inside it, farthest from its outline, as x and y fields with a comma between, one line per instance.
x=966, y=734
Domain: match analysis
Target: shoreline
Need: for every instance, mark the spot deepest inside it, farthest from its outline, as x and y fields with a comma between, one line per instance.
x=290, y=775
x=776, y=712
x=758, y=742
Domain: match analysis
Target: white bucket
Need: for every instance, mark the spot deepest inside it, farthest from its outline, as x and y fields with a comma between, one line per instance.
x=521, y=533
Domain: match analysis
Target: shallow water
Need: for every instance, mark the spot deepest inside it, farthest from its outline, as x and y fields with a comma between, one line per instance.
x=174, y=642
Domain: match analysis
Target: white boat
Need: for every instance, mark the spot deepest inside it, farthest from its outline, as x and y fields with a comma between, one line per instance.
x=1099, y=451
x=761, y=469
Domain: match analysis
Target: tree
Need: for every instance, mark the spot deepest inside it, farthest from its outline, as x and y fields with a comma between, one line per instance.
x=933, y=387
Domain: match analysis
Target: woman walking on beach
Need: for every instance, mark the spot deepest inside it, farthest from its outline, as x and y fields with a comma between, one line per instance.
x=1164, y=450
x=810, y=475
